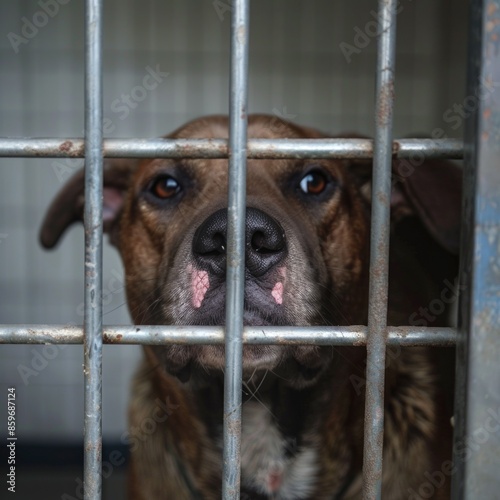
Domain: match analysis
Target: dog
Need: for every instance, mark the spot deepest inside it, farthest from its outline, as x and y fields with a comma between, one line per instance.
x=307, y=253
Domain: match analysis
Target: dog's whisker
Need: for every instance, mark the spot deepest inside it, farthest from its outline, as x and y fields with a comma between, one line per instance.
x=251, y=376
x=254, y=396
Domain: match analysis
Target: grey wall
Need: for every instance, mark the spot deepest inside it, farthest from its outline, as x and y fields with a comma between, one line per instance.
x=297, y=69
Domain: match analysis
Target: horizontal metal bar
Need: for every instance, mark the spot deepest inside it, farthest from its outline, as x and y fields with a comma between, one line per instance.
x=407, y=336
x=218, y=148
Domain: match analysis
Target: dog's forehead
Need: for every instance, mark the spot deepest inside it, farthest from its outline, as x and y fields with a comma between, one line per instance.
x=259, y=126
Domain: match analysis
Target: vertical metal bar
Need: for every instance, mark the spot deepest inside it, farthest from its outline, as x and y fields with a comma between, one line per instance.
x=236, y=248
x=93, y=251
x=476, y=457
x=378, y=291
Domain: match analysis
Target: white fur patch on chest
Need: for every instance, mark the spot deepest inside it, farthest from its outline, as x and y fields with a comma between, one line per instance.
x=267, y=465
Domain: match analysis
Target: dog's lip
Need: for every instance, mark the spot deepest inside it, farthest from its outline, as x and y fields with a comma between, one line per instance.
x=212, y=313
x=251, y=317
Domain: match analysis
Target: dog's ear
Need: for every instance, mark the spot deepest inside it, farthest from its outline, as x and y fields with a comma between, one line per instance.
x=430, y=191
x=433, y=192
x=67, y=207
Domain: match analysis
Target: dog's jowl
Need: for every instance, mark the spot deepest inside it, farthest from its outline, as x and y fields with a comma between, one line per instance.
x=307, y=249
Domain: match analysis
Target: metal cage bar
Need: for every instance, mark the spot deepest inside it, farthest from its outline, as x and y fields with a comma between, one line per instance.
x=379, y=258
x=407, y=336
x=218, y=148
x=476, y=458
x=93, y=252
x=235, y=252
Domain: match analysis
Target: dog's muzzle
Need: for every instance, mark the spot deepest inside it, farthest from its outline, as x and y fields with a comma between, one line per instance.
x=264, y=239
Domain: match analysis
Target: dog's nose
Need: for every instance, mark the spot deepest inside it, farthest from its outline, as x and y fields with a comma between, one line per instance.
x=265, y=242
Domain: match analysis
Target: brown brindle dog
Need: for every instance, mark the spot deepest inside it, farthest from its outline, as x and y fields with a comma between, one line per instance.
x=307, y=247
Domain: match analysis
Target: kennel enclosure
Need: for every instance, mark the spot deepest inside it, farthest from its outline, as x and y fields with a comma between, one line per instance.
x=477, y=336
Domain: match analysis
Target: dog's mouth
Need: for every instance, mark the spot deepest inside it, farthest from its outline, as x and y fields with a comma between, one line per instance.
x=188, y=362
x=281, y=288
x=297, y=366
x=252, y=316
x=300, y=365
x=262, y=306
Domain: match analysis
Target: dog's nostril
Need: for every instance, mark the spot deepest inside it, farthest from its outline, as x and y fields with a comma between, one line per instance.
x=264, y=243
x=210, y=237
x=259, y=242
x=220, y=244
x=209, y=243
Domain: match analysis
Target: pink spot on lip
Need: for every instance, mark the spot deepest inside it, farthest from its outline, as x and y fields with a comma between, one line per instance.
x=277, y=292
x=200, y=283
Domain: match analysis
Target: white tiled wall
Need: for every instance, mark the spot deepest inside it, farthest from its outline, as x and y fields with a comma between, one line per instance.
x=297, y=69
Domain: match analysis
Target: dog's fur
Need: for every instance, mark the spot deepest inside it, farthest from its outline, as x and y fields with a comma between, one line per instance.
x=303, y=407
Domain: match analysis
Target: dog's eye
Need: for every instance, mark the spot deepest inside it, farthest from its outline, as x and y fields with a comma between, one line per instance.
x=313, y=183
x=165, y=187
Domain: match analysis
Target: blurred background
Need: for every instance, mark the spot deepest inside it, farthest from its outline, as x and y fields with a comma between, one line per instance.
x=312, y=62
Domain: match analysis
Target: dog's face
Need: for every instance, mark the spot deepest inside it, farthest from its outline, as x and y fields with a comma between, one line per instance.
x=305, y=245
x=306, y=264
x=306, y=240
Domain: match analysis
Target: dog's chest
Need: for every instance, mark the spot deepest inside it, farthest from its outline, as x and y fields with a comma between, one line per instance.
x=274, y=465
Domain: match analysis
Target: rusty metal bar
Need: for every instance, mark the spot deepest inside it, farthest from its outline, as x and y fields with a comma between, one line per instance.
x=218, y=148
x=379, y=258
x=163, y=335
x=92, y=482
x=476, y=457
x=235, y=252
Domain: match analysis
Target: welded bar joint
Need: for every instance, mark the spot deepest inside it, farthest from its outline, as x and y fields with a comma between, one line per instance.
x=379, y=265
x=235, y=252
x=93, y=252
